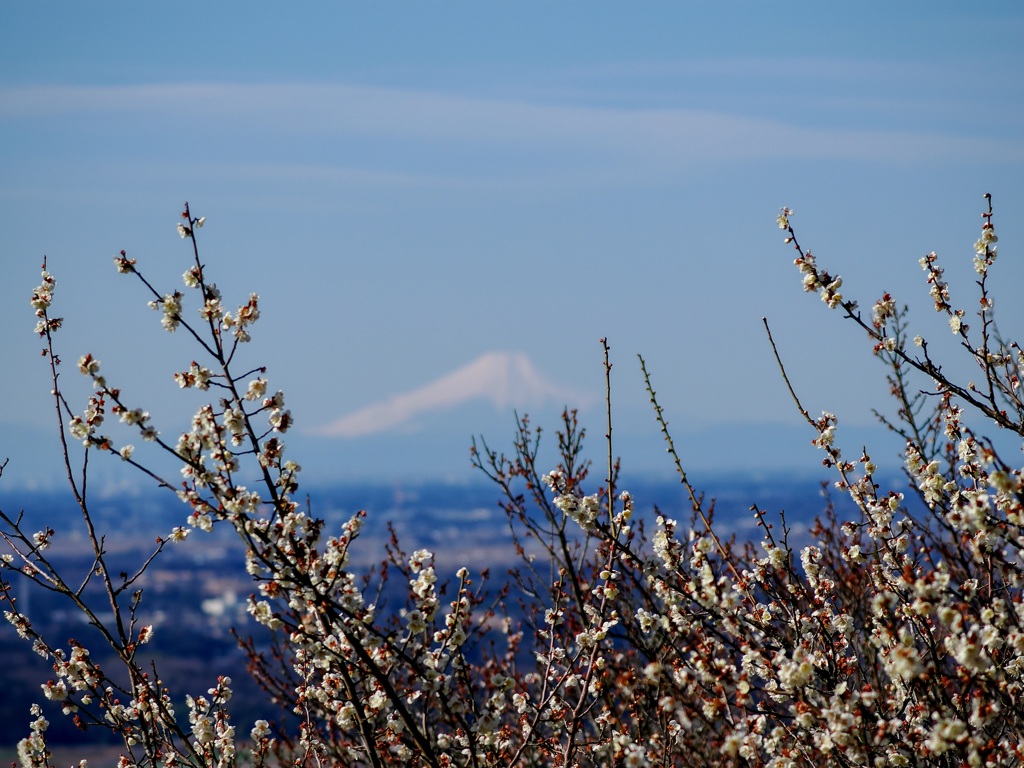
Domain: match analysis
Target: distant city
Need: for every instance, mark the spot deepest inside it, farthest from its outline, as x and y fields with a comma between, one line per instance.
x=195, y=593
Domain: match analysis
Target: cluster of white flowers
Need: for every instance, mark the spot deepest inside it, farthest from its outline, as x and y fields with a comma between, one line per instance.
x=170, y=305
x=32, y=750
x=891, y=638
x=187, y=230
x=814, y=280
x=939, y=289
x=84, y=427
x=212, y=732
x=783, y=219
x=584, y=510
x=985, y=249
x=42, y=298
x=197, y=376
x=884, y=308
x=246, y=315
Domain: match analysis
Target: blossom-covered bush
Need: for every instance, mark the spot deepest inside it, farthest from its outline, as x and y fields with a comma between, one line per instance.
x=895, y=638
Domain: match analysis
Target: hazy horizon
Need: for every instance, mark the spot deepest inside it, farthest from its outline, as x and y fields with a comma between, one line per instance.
x=412, y=189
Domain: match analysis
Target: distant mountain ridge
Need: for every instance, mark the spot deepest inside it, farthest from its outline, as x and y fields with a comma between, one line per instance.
x=504, y=379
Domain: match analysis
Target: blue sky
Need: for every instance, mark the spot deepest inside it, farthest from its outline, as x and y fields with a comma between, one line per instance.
x=412, y=186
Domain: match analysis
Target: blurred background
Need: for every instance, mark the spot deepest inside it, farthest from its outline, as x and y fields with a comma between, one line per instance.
x=445, y=206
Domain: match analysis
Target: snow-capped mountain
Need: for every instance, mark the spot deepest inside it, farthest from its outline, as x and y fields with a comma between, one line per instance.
x=504, y=379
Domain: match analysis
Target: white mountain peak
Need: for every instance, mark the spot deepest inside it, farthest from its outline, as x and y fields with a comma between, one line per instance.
x=505, y=379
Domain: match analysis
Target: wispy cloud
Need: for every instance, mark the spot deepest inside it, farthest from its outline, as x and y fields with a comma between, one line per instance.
x=672, y=136
x=504, y=379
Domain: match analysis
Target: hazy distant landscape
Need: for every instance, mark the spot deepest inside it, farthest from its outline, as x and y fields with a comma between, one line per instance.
x=195, y=594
